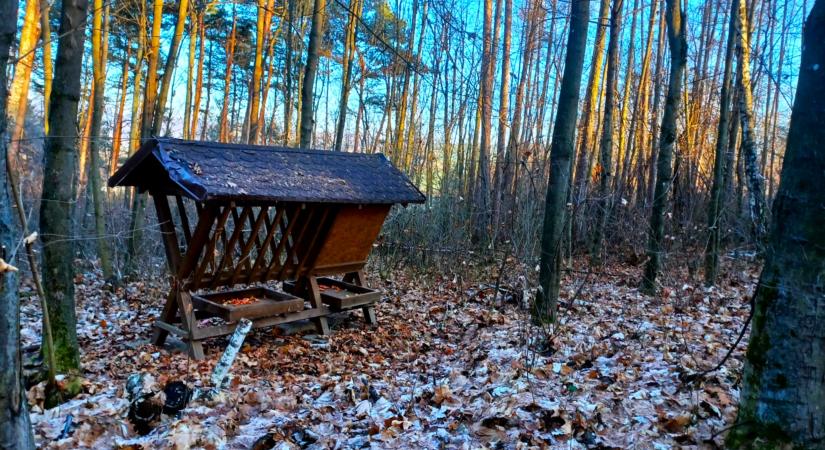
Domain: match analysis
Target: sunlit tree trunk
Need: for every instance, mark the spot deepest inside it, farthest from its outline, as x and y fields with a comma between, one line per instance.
x=308, y=89
x=606, y=150
x=99, y=74
x=290, y=9
x=591, y=105
x=755, y=180
x=500, y=189
x=349, y=53
x=624, y=103
x=149, y=99
x=117, y=133
x=716, y=203
x=15, y=427
x=227, y=81
x=561, y=156
x=411, y=128
x=196, y=103
x=187, y=103
x=783, y=387
x=48, y=69
x=18, y=101
x=677, y=43
x=171, y=61
x=257, y=72
x=482, y=192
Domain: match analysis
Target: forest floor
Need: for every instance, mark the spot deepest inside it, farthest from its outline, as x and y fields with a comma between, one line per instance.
x=449, y=366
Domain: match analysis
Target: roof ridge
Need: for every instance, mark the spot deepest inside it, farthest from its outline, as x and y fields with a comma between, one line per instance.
x=269, y=148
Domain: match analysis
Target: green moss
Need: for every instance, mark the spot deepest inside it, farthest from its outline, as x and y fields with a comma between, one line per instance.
x=759, y=436
x=63, y=391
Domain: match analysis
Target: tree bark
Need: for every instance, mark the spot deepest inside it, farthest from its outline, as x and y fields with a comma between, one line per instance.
x=500, y=189
x=606, y=144
x=59, y=183
x=308, y=91
x=19, y=94
x=715, y=206
x=349, y=52
x=756, y=182
x=257, y=72
x=99, y=76
x=482, y=191
x=117, y=134
x=561, y=154
x=223, y=134
x=150, y=98
x=677, y=42
x=15, y=427
x=171, y=61
x=783, y=382
x=591, y=105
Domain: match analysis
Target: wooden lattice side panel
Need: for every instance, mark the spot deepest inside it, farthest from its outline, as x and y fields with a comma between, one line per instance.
x=242, y=244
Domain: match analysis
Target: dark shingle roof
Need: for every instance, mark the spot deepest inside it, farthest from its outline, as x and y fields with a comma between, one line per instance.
x=207, y=170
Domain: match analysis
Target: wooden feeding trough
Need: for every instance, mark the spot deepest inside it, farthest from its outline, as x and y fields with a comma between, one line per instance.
x=262, y=214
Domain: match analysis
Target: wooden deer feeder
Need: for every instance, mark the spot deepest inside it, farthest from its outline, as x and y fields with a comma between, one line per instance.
x=264, y=214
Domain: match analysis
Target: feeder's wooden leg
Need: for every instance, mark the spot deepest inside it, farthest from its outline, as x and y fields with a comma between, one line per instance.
x=189, y=323
x=359, y=279
x=170, y=309
x=196, y=350
x=369, y=315
x=314, y=292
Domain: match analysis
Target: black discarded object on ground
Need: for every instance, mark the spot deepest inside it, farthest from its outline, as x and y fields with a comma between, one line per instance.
x=178, y=395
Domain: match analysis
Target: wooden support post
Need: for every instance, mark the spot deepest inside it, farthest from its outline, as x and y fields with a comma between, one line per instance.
x=170, y=310
x=359, y=278
x=314, y=292
x=189, y=324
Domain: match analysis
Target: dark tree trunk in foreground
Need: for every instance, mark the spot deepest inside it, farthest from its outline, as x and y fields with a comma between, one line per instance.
x=561, y=153
x=315, y=35
x=606, y=150
x=15, y=428
x=715, y=207
x=783, y=391
x=59, y=180
x=677, y=43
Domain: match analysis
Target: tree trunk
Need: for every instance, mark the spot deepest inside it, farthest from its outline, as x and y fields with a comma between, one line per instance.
x=19, y=94
x=677, y=42
x=715, y=206
x=150, y=98
x=783, y=389
x=99, y=74
x=606, y=151
x=171, y=61
x=261, y=30
x=60, y=165
x=313, y=53
x=349, y=52
x=15, y=427
x=500, y=189
x=196, y=103
x=561, y=154
x=223, y=134
x=117, y=134
x=482, y=191
x=187, y=103
x=756, y=182
x=290, y=11
x=591, y=105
